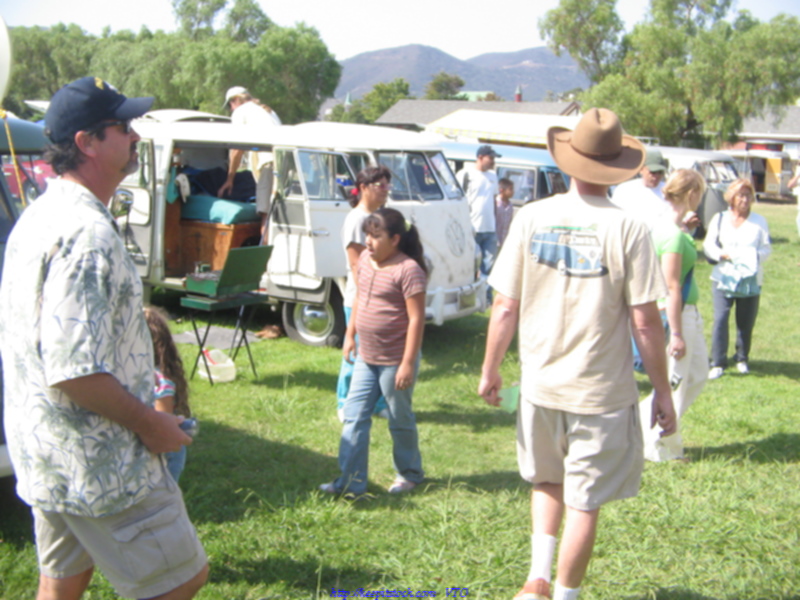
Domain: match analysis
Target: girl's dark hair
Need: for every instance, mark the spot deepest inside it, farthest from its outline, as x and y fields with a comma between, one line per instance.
x=167, y=358
x=369, y=175
x=394, y=223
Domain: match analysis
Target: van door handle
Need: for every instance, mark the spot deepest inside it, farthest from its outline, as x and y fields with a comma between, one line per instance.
x=320, y=233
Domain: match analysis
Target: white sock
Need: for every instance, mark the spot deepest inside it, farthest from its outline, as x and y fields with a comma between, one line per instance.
x=543, y=547
x=565, y=593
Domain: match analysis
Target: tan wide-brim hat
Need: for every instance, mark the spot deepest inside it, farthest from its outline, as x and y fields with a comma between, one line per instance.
x=597, y=151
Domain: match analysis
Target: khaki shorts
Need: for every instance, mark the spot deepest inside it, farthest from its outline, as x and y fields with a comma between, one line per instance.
x=598, y=458
x=146, y=550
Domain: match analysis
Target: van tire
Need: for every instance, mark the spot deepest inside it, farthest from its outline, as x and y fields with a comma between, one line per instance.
x=314, y=324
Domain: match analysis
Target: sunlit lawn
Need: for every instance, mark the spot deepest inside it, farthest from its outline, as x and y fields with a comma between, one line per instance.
x=723, y=526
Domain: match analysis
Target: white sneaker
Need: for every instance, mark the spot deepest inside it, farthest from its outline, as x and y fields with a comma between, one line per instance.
x=716, y=372
x=742, y=368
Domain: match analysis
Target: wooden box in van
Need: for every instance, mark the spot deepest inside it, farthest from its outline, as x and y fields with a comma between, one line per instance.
x=210, y=243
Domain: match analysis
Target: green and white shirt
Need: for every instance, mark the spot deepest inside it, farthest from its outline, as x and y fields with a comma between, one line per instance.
x=71, y=306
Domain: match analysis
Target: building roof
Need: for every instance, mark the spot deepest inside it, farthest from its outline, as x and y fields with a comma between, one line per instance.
x=780, y=124
x=419, y=113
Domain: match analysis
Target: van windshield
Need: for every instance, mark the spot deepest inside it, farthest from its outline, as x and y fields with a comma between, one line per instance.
x=412, y=176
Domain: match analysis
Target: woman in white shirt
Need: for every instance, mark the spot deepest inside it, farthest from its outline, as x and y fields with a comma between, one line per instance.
x=738, y=240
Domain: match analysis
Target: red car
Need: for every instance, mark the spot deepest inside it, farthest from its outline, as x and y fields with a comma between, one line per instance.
x=33, y=173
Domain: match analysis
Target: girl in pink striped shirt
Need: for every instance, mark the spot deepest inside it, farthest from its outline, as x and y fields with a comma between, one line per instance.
x=389, y=317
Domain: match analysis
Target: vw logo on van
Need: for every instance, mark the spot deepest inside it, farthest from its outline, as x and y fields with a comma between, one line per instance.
x=456, y=239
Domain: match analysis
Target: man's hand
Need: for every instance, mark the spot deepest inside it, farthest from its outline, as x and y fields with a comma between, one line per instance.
x=490, y=386
x=663, y=414
x=163, y=434
x=226, y=188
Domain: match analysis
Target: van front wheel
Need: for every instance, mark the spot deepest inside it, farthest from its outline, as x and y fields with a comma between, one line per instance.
x=315, y=324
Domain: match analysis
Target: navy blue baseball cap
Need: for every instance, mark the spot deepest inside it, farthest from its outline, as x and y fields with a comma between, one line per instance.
x=487, y=150
x=86, y=102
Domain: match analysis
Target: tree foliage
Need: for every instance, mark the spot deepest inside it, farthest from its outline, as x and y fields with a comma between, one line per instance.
x=288, y=68
x=377, y=101
x=444, y=86
x=589, y=30
x=685, y=71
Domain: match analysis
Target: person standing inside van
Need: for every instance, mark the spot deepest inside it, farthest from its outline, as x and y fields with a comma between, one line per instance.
x=479, y=183
x=246, y=110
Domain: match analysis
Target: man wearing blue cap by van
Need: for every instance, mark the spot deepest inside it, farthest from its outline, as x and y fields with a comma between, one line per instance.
x=479, y=183
x=84, y=438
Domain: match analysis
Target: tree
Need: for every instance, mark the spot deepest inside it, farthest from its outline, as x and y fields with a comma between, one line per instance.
x=444, y=86
x=491, y=97
x=196, y=17
x=45, y=60
x=377, y=101
x=383, y=96
x=686, y=72
x=589, y=30
x=246, y=22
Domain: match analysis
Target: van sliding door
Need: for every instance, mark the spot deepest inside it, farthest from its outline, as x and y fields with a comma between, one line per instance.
x=308, y=212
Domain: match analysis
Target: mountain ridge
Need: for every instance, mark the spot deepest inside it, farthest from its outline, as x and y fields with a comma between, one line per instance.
x=537, y=70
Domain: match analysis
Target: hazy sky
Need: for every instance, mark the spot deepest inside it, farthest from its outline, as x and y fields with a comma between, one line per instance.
x=463, y=28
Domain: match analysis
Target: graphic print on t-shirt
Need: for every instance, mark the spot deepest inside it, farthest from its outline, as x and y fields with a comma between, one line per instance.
x=572, y=251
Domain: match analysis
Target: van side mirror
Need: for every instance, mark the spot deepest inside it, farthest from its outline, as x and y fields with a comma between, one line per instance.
x=121, y=203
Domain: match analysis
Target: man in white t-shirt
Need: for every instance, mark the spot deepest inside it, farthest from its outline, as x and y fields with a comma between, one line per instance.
x=249, y=111
x=643, y=197
x=574, y=278
x=479, y=183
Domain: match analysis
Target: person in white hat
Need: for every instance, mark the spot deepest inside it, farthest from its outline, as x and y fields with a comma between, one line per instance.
x=246, y=110
x=573, y=279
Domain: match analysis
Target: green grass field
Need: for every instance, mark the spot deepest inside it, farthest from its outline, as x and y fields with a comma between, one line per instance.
x=723, y=526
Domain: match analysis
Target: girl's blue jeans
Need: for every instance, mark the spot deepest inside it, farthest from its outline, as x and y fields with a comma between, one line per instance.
x=369, y=381
x=346, y=376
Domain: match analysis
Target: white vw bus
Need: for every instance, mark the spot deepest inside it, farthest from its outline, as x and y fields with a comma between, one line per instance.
x=315, y=167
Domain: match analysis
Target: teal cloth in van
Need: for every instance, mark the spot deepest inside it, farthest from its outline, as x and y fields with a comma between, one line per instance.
x=202, y=207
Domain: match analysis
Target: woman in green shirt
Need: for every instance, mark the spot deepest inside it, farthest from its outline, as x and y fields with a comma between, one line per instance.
x=686, y=346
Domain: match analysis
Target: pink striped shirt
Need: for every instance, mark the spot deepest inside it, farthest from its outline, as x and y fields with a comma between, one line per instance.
x=381, y=318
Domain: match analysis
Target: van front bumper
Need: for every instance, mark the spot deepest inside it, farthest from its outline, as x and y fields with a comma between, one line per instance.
x=445, y=304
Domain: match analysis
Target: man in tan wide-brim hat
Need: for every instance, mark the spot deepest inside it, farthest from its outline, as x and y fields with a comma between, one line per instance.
x=574, y=277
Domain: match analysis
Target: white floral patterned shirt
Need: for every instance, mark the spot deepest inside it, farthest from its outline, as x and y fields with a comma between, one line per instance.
x=71, y=306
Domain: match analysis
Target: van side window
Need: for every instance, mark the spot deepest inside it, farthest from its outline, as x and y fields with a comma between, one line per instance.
x=325, y=175
x=288, y=176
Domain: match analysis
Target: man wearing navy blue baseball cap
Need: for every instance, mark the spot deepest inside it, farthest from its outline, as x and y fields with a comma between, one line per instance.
x=84, y=439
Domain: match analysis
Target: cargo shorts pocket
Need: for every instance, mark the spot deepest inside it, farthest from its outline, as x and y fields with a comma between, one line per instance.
x=158, y=542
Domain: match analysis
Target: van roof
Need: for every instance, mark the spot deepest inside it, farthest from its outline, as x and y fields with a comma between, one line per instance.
x=685, y=158
x=318, y=135
x=350, y=136
x=518, y=155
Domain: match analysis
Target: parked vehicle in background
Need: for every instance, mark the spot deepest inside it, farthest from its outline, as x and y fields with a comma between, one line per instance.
x=717, y=168
x=769, y=170
x=28, y=138
x=33, y=174
x=315, y=167
x=532, y=170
